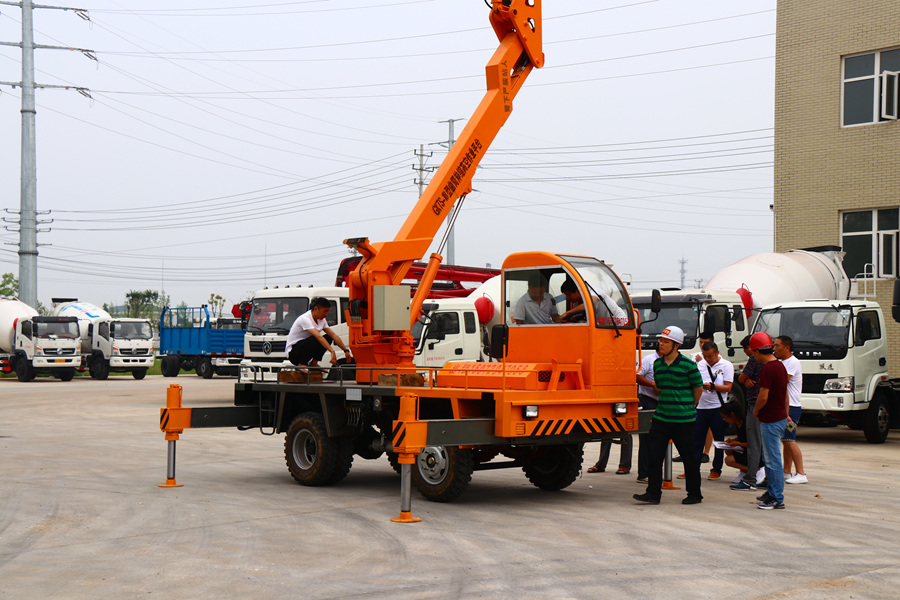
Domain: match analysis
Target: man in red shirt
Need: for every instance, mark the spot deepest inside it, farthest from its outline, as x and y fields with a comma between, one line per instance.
x=772, y=411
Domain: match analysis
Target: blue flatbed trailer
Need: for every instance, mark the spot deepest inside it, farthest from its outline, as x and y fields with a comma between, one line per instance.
x=190, y=339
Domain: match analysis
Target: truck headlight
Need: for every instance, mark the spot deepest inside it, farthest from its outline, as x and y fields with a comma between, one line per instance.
x=840, y=384
x=530, y=411
x=620, y=408
x=38, y=351
x=115, y=351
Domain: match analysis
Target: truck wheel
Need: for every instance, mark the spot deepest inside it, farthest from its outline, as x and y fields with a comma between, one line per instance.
x=310, y=454
x=442, y=473
x=204, y=368
x=344, y=460
x=66, y=374
x=139, y=373
x=24, y=370
x=554, y=468
x=877, y=420
x=99, y=369
x=169, y=365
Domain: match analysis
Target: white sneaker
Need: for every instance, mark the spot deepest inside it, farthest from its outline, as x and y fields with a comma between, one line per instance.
x=798, y=478
x=761, y=475
x=739, y=477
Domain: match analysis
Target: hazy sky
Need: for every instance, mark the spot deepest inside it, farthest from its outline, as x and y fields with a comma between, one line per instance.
x=232, y=144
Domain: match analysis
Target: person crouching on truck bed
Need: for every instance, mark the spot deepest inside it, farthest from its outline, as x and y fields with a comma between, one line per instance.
x=306, y=345
x=680, y=384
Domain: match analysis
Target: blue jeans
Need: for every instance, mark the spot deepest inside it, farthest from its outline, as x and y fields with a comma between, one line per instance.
x=771, y=447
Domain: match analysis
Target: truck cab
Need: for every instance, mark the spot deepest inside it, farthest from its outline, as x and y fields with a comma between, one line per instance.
x=120, y=345
x=842, y=348
x=47, y=345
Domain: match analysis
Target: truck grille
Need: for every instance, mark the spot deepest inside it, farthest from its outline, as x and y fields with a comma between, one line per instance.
x=815, y=384
x=276, y=347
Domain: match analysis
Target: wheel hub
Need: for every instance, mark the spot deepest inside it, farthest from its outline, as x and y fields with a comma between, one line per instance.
x=305, y=449
x=433, y=464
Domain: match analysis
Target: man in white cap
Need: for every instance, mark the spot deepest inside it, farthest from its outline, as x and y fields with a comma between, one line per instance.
x=679, y=384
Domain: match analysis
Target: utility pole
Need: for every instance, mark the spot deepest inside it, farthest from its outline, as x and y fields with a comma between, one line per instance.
x=682, y=262
x=451, y=243
x=28, y=221
x=422, y=169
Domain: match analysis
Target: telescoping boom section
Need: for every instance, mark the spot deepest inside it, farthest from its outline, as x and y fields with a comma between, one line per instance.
x=517, y=24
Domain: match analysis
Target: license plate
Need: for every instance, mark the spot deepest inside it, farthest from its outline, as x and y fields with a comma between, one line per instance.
x=59, y=360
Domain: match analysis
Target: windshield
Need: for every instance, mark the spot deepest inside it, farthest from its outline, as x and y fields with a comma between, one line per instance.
x=683, y=315
x=131, y=331
x=276, y=315
x=814, y=326
x=65, y=330
x=228, y=323
x=612, y=306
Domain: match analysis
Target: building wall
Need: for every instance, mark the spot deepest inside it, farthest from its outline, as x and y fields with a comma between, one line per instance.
x=822, y=168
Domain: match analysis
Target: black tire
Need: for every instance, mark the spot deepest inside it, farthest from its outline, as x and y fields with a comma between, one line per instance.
x=877, y=420
x=24, y=369
x=65, y=374
x=553, y=468
x=169, y=366
x=344, y=460
x=99, y=368
x=311, y=455
x=393, y=459
x=139, y=373
x=442, y=473
x=204, y=367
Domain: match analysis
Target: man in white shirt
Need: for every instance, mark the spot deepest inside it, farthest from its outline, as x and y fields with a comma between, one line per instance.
x=306, y=345
x=784, y=351
x=718, y=376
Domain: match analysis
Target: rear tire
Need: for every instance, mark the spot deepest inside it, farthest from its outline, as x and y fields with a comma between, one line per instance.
x=204, y=368
x=442, y=473
x=877, y=420
x=553, y=468
x=168, y=365
x=310, y=454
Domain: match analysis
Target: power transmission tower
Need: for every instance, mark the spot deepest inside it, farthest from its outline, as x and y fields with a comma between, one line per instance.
x=451, y=243
x=27, y=219
x=682, y=262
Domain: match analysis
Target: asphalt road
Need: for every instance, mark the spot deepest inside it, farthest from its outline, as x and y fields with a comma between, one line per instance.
x=81, y=516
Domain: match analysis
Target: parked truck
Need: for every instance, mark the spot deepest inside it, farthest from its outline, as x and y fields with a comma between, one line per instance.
x=549, y=389
x=109, y=344
x=190, y=339
x=31, y=344
x=730, y=302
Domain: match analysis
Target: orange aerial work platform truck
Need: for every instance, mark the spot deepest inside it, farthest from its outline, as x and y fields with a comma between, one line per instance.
x=549, y=387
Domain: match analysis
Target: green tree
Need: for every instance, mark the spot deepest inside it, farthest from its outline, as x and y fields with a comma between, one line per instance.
x=140, y=304
x=9, y=285
x=216, y=303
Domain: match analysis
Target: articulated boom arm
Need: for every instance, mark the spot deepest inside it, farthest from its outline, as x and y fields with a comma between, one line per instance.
x=517, y=24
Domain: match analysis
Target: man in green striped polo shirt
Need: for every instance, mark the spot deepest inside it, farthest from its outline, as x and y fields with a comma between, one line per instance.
x=680, y=384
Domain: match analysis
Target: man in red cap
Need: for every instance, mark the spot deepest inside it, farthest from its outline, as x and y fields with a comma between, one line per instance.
x=772, y=411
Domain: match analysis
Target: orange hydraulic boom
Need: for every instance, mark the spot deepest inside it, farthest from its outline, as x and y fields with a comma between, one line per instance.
x=517, y=24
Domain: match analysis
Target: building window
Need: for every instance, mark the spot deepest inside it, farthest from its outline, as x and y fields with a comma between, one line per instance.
x=869, y=239
x=870, y=92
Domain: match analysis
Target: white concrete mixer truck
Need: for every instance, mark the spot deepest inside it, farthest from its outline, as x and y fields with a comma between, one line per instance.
x=31, y=344
x=729, y=304
x=109, y=344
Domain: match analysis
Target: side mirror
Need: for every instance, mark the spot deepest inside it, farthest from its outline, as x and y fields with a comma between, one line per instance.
x=655, y=302
x=709, y=322
x=499, y=341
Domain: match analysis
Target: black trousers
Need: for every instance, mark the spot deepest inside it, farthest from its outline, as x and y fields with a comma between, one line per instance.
x=306, y=350
x=646, y=403
x=682, y=435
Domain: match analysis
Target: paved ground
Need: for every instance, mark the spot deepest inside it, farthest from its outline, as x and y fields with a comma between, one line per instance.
x=81, y=516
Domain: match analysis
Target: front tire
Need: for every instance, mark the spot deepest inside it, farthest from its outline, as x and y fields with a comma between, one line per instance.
x=99, y=368
x=553, y=468
x=312, y=457
x=139, y=373
x=66, y=375
x=877, y=420
x=204, y=368
x=442, y=473
x=24, y=369
x=169, y=366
